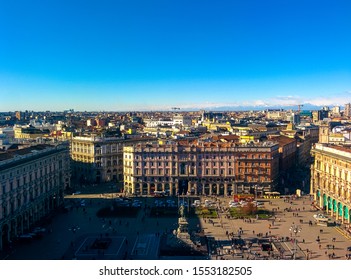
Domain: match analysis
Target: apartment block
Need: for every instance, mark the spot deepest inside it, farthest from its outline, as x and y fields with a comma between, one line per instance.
x=32, y=184
x=99, y=159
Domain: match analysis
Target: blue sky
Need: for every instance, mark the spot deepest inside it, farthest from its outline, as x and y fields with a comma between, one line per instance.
x=149, y=55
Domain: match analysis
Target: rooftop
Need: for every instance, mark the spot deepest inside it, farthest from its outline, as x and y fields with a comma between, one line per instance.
x=11, y=157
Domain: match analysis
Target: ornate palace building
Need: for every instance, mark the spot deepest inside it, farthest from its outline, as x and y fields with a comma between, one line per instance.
x=331, y=180
x=32, y=183
x=201, y=167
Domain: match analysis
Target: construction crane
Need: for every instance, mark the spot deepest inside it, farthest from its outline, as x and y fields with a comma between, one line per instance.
x=298, y=106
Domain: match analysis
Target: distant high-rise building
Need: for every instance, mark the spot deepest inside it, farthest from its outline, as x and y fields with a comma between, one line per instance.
x=295, y=118
x=336, y=110
x=347, y=111
x=320, y=115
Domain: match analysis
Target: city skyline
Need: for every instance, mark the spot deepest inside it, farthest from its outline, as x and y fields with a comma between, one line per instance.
x=120, y=56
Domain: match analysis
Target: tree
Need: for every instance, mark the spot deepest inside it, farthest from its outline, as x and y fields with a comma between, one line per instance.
x=249, y=209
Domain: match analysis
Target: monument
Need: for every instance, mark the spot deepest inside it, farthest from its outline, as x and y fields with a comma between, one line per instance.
x=180, y=243
x=182, y=231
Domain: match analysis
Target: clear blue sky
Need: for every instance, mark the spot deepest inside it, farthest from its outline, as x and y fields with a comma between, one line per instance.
x=134, y=55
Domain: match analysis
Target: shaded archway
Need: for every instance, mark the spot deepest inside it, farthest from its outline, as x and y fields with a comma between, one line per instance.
x=334, y=206
x=152, y=188
x=214, y=188
x=167, y=188
x=108, y=175
x=346, y=213
x=221, y=189
x=340, y=210
x=144, y=190
x=206, y=190
x=137, y=188
x=325, y=202
x=330, y=205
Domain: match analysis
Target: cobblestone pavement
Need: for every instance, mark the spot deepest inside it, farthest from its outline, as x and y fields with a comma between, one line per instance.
x=68, y=232
x=295, y=213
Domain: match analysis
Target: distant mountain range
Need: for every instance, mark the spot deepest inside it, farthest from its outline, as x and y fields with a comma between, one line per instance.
x=305, y=107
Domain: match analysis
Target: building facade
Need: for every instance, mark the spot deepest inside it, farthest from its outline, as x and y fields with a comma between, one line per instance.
x=347, y=111
x=32, y=183
x=99, y=159
x=29, y=132
x=200, y=168
x=331, y=180
x=182, y=120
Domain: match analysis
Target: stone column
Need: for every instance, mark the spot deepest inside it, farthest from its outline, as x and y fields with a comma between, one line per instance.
x=148, y=188
x=337, y=211
x=320, y=202
x=312, y=188
x=189, y=186
x=177, y=187
x=171, y=188
x=342, y=213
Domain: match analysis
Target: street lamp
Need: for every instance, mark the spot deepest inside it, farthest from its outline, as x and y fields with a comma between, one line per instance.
x=295, y=229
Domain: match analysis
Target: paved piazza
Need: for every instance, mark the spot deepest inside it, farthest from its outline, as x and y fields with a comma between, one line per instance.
x=80, y=234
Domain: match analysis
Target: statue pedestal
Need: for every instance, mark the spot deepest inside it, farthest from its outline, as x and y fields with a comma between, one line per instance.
x=182, y=231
